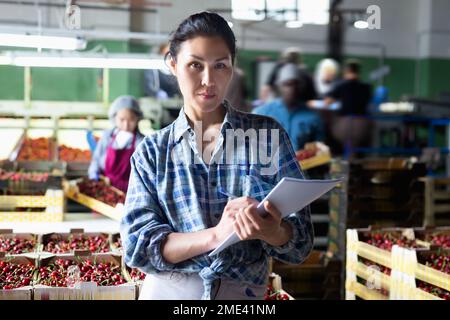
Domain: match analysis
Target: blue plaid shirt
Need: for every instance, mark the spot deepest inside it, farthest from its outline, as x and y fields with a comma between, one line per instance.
x=170, y=192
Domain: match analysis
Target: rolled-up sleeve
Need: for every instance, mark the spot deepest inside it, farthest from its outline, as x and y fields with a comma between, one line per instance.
x=297, y=249
x=143, y=227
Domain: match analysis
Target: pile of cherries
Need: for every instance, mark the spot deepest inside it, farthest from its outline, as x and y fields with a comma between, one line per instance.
x=386, y=240
x=441, y=240
x=14, y=275
x=101, y=191
x=272, y=294
x=102, y=273
x=137, y=275
x=16, y=245
x=94, y=244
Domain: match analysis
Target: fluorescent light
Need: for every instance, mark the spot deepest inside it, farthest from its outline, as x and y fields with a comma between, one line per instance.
x=314, y=11
x=69, y=62
x=361, y=24
x=248, y=10
x=294, y=24
x=44, y=42
x=97, y=61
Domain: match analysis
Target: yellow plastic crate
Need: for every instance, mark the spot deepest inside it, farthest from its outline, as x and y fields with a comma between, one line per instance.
x=315, y=161
x=72, y=192
x=405, y=270
x=53, y=201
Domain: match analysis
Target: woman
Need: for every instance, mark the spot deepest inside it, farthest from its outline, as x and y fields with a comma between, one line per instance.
x=326, y=76
x=113, y=152
x=182, y=203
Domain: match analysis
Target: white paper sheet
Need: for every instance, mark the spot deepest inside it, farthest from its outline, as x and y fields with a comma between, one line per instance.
x=289, y=195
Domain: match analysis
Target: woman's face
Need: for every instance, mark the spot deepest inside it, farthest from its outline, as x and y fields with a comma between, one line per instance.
x=203, y=70
x=126, y=120
x=329, y=75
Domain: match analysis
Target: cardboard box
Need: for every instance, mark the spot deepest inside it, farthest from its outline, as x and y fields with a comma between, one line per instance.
x=46, y=238
x=9, y=234
x=86, y=290
x=23, y=293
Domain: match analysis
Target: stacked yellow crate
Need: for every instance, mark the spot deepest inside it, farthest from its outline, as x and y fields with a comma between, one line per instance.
x=401, y=284
x=52, y=204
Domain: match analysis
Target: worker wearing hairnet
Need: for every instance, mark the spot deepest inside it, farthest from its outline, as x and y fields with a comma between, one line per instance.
x=113, y=151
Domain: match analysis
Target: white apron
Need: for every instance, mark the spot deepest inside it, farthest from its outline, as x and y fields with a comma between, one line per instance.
x=189, y=286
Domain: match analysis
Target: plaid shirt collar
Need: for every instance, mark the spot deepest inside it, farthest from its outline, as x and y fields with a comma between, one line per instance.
x=181, y=124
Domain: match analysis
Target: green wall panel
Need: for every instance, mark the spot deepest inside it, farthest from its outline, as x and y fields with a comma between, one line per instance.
x=85, y=84
x=11, y=83
x=400, y=81
x=64, y=84
x=439, y=80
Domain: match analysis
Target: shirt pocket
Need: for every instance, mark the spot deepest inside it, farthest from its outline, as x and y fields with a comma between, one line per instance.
x=236, y=182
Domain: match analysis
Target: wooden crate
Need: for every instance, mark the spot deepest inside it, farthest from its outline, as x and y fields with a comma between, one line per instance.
x=72, y=192
x=316, y=278
x=385, y=192
x=52, y=204
x=437, y=199
x=405, y=268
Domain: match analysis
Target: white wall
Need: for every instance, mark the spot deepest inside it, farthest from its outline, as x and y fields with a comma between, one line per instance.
x=440, y=29
x=401, y=23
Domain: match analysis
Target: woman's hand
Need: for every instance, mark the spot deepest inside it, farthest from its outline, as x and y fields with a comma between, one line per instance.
x=271, y=229
x=225, y=226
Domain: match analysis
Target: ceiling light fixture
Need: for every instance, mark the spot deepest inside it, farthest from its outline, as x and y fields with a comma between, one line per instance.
x=42, y=42
x=361, y=24
x=99, y=61
x=294, y=24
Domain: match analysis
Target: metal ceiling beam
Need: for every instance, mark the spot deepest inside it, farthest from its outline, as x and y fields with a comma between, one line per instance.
x=89, y=34
x=81, y=5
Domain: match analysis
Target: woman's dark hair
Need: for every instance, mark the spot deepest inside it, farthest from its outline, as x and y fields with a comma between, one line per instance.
x=202, y=24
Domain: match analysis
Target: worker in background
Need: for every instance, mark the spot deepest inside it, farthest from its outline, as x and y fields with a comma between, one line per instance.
x=307, y=89
x=112, y=154
x=301, y=124
x=354, y=97
x=326, y=76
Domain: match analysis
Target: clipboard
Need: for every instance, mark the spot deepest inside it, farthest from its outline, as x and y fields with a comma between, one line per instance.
x=288, y=196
